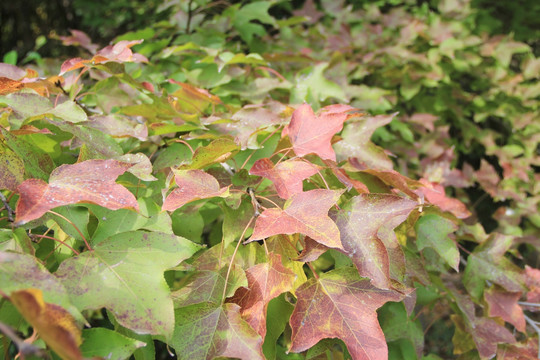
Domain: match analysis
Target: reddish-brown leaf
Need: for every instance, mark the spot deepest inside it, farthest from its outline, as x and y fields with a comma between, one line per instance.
x=520, y=351
x=532, y=280
x=91, y=181
x=435, y=194
x=312, y=134
x=265, y=282
x=341, y=304
x=193, y=185
x=311, y=251
x=306, y=213
x=359, y=222
x=119, y=52
x=55, y=325
x=486, y=334
x=505, y=305
x=79, y=38
x=287, y=176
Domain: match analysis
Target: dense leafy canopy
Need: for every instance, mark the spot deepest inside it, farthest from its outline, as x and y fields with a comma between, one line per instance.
x=263, y=181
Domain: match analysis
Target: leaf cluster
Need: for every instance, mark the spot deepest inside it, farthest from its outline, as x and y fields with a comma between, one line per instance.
x=225, y=186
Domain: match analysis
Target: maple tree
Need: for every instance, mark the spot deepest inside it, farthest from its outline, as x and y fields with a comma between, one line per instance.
x=188, y=195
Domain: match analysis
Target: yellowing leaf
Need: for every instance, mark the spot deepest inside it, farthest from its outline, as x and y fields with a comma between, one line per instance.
x=54, y=324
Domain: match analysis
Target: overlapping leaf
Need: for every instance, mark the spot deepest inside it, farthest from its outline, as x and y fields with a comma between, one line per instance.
x=287, y=176
x=193, y=185
x=306, y=213
x=432, y=231
x=357, y=143
x=90, y=181
x=207, y=331
x=487, y=262
x=341, y=304
x=55, y=325
x=265, y=282
x=359, y=222
x=125, y=275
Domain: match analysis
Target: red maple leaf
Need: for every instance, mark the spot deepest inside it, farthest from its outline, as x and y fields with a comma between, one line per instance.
x=91, y=181
x=306, y=213
x=505, y=305
x=341, y=304
x=192, y=185
x=265, y=282
x=312, y=134
x=287, y=176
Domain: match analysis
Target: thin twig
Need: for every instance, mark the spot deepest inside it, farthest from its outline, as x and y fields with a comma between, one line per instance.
x=25, y=349
x=528, y=304
x=58, y=240
x=536, y=328
x=8, y=208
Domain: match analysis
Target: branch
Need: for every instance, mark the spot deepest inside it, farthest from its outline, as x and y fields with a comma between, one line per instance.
x=8, y=208
x=536, y=328
x=25, y=349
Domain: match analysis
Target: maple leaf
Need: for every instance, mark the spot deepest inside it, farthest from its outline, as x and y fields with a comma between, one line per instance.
x=207, y=286
x=435, y=194
x=54, y=324
x=265, y=282
x=79, y=38
x=207, y=331
x=310, y=133
x=119, y=52
x=287, y=176
x=89, y=181
x=432, y=231
x=359, y=222
x=486, y=334
x=487, y=262
x=246, y=123
x=124, y=274
x=219, y=150
x=305, y=213
x=356, y=143
x=505, y=305
x=341, y=304
x=11, y=168
x=21, y=271
x=193, y=185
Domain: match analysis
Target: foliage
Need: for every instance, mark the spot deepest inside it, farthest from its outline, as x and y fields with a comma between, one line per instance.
x=195, y=184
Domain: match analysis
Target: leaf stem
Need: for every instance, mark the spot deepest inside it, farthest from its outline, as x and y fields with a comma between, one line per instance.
x=75, y=226
x=261, y=144
x=536, y=328
x=267, y=199
x=233, y=256
x=187, y=144
x=58, y=240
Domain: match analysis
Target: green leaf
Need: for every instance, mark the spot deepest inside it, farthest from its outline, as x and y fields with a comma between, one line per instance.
x=432, y=231
x=124, y=274
x=278, y=314
x=21, y=271
x=108, y=344
x=217, y=151
x=487, y=262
